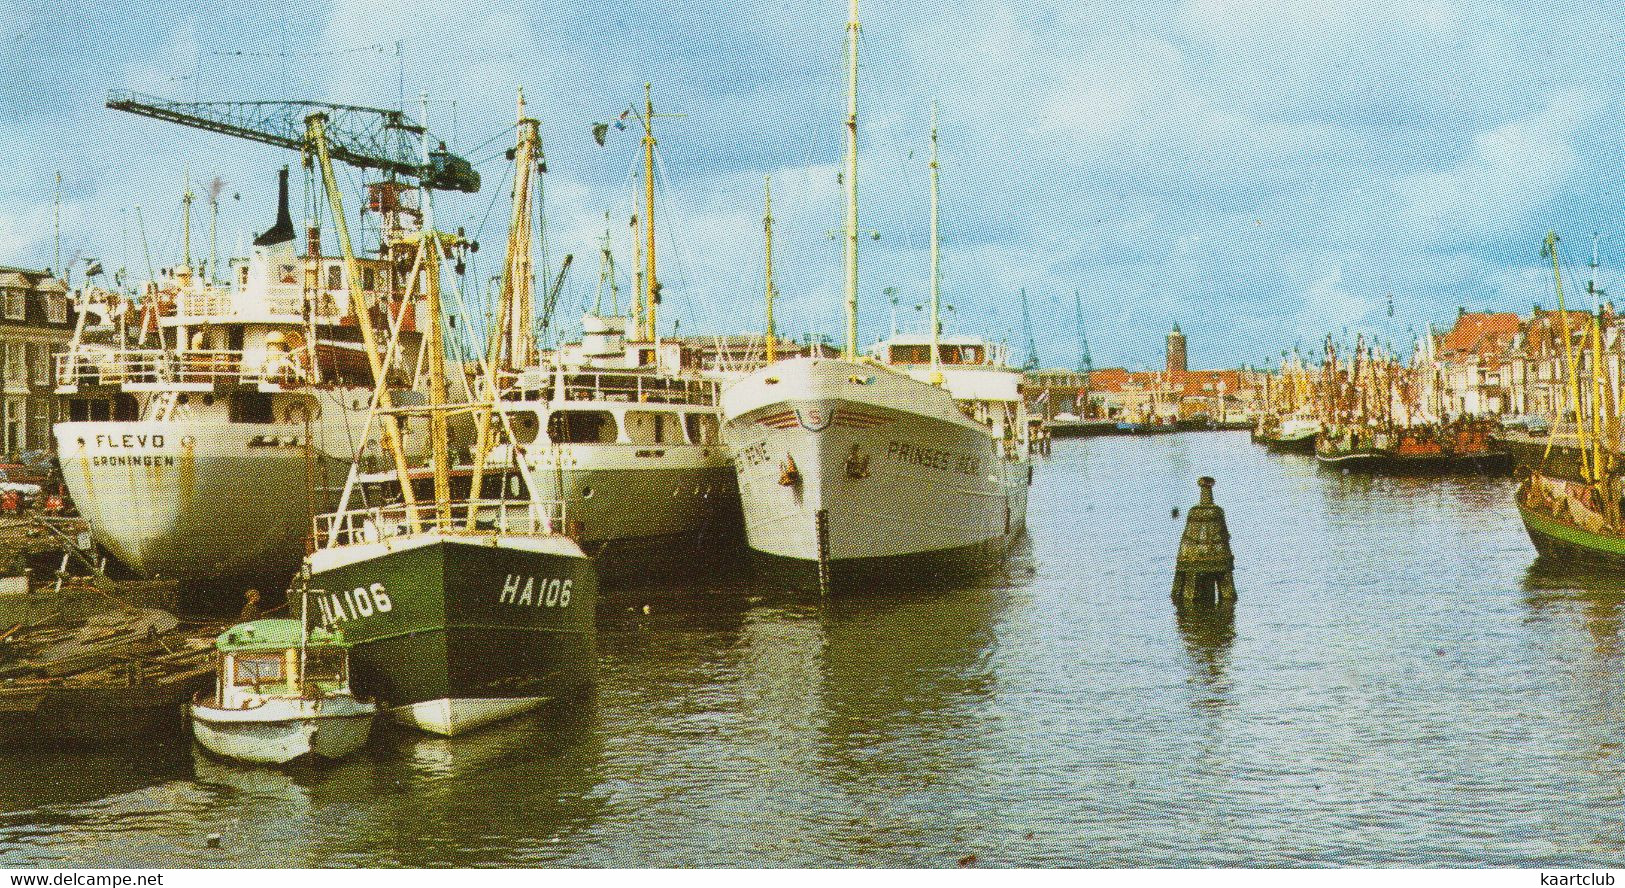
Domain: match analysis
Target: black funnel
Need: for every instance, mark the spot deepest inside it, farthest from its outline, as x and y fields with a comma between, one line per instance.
x=282, y=231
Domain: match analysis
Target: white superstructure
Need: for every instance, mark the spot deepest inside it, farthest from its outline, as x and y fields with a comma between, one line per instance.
x=209, y=422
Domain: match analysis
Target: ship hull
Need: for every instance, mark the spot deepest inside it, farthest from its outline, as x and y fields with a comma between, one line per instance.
x=879, y=474
x=194, y=501
x=649, y=514
x=1560, y=540
x=469, y=629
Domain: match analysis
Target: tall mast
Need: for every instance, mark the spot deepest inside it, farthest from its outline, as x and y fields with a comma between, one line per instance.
x=651, y=294
x=1568, y=358
x=214, y=227
x=56, y=217
x=186, y=222
x=635, y=304
x=767, y=227
x=429, y=247
x=851, y=181
x=936, y=256
x=518, y=274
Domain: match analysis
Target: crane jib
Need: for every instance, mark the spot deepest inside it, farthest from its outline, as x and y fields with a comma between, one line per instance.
x=376, y=138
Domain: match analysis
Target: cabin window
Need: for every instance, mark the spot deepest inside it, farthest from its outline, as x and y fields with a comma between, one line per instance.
x=525, y=425
x=126, y=408
x=962, y=354
x=335, y=280
x=251, y=407
x=702, y=428
x=369, y=279
x=257, y=670
x=911, y=354
x=651, y=427
x=242, y=276
x=581, y=427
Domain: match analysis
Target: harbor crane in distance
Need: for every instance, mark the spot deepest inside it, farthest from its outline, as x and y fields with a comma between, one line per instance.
x=1031, y=363
x=369, y=138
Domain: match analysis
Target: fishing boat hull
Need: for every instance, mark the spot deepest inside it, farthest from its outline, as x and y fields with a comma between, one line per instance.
x=115, y=713
x=854, y=467
x=1302, y=443
x=281, y=731
x=453, y=631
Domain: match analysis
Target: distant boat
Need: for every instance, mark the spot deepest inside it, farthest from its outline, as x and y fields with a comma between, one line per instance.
x=282, y=694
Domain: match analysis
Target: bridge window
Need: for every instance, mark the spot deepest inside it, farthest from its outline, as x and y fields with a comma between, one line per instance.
x=702, y=428
x=651, y=427
x=581, y=427
x=525, y=425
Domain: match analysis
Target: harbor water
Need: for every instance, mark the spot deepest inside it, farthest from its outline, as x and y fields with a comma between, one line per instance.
x=1399, y=683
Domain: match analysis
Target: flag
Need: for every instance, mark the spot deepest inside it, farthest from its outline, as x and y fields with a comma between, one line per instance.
x=620, y=122
x=94, y=269
x=599, y=130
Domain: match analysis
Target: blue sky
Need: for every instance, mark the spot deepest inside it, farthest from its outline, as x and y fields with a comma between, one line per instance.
x=1262, y=172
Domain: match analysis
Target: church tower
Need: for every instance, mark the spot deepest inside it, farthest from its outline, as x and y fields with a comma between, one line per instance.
x=1176, y=353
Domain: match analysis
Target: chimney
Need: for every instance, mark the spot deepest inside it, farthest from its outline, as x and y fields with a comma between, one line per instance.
x=282, y=231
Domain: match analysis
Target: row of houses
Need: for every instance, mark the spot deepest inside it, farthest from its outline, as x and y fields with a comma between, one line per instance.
x=1504, y=364
x=37, y=319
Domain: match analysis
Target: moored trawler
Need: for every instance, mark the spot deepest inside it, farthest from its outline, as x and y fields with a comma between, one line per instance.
x=204, y=432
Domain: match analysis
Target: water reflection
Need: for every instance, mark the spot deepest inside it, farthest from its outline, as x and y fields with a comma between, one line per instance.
x=1208, y=628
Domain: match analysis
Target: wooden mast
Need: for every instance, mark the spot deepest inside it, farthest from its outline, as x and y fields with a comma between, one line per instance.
x=1568, y=357
x=767, y=226
x=359, y=306
x=651, y=293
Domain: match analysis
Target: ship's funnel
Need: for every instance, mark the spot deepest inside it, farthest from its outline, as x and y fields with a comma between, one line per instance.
x=282, y=231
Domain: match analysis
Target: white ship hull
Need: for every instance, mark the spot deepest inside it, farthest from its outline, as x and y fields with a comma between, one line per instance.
x=204, y=500
x=888, y=465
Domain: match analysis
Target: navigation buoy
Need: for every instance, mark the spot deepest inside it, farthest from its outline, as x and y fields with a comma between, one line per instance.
x=1205, y=567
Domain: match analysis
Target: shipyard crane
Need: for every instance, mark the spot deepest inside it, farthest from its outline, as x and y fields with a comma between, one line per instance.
x=369, y=138
x=1027, y=327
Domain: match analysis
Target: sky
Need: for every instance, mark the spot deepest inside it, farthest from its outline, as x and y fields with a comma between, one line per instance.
x=1261, y=172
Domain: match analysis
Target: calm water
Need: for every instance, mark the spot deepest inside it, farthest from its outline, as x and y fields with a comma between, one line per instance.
x=1399, y=683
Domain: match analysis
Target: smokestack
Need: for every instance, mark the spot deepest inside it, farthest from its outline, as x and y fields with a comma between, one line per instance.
x=282, y=231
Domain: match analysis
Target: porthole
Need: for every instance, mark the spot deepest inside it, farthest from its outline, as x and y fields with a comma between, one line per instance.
x=587, y=492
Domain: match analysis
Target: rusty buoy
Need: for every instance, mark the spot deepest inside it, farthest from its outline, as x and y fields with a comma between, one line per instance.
x=1205, y=567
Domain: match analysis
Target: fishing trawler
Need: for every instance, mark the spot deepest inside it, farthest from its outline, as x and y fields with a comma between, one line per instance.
x=848, y=467
x=207, y=425
x=613, y=426
x=459, y=611
x=1579, y=519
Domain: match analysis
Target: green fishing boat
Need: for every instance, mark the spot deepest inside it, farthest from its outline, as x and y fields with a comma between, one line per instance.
x=458, y=612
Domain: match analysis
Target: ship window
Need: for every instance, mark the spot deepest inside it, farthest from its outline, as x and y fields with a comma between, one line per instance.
x=702, y=428
x=368, y=279
x=258, y=670
x=335, y=279
x=251, y=407
x=911, y=354
x=962, y=354
x=651, y=427
x=581, y=427
x=525, y=425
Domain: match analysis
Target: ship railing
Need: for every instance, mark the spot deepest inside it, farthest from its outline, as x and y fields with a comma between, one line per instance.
x=609, y=386
x=159, y=367
x=516, y=517
x=213, y=303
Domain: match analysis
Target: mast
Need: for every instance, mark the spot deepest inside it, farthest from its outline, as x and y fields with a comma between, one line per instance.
x=517, y=273
x=430, y=254
x=1568, y=357
x=936, y=256
x=651, y=284
x=635, y=304
x=214, y=227
x=56, y=218
x=851, y=181
x=186, y=222
x=767, y=227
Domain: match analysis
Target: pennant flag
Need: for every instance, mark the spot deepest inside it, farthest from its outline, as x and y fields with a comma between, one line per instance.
x=94, y=269
x=599, y=130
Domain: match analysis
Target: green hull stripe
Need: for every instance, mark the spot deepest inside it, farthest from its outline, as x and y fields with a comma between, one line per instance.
x=1572, y=535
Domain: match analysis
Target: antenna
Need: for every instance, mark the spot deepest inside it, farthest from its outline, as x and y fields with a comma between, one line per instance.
x=936, y=256
x=767, y=226
x=851, y=351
